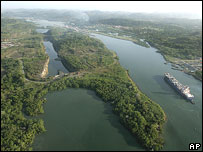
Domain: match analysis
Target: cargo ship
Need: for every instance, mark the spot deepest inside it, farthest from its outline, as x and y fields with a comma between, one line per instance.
x=180, y=88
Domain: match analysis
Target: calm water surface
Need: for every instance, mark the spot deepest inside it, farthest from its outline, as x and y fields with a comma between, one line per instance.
x=54, y=65
x=45, y=23
x=76, y=119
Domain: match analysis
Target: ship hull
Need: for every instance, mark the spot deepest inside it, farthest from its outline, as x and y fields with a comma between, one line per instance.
x=179, y=91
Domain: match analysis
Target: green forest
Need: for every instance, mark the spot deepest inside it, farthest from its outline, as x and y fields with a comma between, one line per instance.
x=18, y=99
x=18, y=96
x=97, y=69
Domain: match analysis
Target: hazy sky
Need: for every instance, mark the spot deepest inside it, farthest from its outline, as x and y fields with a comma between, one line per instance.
x=194, y=7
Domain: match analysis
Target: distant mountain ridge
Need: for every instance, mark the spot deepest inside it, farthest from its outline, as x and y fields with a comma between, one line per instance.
x=93, y=16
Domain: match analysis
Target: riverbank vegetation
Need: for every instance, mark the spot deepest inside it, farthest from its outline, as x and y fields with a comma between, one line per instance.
x=24, y=57
x=80, y=52
x=143, y=117
x=18, y=132
x=198, y=74
x=175, y=40
x=178, y=39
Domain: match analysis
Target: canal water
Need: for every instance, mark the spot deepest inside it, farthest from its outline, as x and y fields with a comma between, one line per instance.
x=46, y=23
x=54, y=65
x=146, y=68
x=76, y=119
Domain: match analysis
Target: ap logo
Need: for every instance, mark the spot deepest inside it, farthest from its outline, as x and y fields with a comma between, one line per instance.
x=194, y=146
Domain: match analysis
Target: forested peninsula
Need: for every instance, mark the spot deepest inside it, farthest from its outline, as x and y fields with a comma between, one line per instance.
x=92, y=66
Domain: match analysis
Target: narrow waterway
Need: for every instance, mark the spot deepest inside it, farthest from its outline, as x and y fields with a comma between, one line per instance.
x=46, y=23
x=54, y=65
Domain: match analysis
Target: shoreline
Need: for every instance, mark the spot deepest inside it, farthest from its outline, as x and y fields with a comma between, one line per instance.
x=167, y=60
x=121, y=38
x=165, y=117
x=45, y=69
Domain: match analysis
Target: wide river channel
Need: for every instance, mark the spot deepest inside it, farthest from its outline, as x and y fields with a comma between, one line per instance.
x=76, y=119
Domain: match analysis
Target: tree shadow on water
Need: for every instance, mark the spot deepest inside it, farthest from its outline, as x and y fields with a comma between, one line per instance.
x=128, y=137
x=114, y=121
x=93, y=94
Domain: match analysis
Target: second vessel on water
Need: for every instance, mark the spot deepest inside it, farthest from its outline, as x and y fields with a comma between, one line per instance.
x=182, y=89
